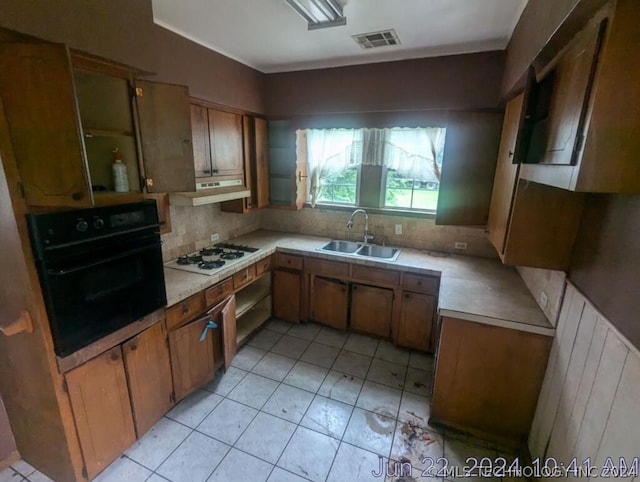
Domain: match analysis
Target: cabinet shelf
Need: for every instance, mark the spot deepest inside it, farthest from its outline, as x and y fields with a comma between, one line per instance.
x=252, y=320
x=250, y=296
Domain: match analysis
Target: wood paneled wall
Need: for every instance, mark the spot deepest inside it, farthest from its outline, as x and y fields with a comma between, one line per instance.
x=588, y=404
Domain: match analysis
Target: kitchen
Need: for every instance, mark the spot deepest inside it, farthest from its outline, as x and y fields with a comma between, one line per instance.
x=598, y=377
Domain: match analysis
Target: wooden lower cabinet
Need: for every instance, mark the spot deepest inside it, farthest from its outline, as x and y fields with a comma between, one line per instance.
x=101, y=409
x=416, y=320
x=488, y=379
x=371, y=310
x=192, y=358
x=287, y=293
x=330, y=302
x=148, y=368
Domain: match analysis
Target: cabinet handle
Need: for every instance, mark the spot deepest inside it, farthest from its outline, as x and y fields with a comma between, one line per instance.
x=407, y=296
x=115, y=356
x=185, y=309
x=419, y=283
x=76, y=196
x=187, y=141
x=510, y=153
x=133, y=346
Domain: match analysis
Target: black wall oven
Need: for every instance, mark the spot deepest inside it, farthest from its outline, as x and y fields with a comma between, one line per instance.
x=100, y=269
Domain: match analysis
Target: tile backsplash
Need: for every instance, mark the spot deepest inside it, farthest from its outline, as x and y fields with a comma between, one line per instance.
x=192, y=227
x=417, y=233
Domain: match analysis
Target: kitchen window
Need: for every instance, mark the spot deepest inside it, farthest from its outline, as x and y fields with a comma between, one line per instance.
x=395, y=168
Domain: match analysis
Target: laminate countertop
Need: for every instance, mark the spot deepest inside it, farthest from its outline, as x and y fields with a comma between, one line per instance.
x=475, y=289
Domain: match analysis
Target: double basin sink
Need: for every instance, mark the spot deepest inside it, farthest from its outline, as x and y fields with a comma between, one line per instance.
x=362, y=250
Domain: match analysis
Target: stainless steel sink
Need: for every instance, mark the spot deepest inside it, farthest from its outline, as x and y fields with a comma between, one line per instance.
x=347, y=247
x=361, y=250
x=382, y=252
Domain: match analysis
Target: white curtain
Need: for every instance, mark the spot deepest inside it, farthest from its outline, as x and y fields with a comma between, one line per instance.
x=416, y=153
x=329, y=152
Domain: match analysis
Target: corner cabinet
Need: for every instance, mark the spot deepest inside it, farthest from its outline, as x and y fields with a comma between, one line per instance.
x=582, y=118
x=66, y=115
x=530, y=224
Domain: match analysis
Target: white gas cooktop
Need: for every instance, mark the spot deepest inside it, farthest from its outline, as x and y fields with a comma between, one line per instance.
x=209, y=261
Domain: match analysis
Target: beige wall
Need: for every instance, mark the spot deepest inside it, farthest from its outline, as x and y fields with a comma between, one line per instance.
x=588, y=404
x=417, y=233
x=192, y=227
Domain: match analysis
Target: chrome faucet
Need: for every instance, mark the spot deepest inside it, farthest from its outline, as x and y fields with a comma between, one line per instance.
x=367, y=237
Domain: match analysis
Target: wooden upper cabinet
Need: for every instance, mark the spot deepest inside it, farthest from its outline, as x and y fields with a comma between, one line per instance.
x=201, y=144
x=589, y=141
x=148, y=369
x=165, y=131
x=37, y=88
x=287, y=173
x=256, y=166
x=225, y=134
x=261, y=182
x=101, y=409
x=506, y=174
x=468, y=167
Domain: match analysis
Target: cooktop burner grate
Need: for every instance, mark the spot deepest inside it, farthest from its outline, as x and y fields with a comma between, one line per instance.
x=189, y=259
x=210, y=264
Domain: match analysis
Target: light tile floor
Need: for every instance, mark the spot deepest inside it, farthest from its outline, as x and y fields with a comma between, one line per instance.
x=300, y=402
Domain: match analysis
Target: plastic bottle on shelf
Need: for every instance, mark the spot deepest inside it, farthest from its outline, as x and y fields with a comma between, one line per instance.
x=120, y=177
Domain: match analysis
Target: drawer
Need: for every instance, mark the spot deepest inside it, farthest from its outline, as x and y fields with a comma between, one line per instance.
x=323, y=267
x=263, y=265
x=244, y=277
x=292, y=261
x=378, y=275
x=420, y=283
x=218, y=292
x=185, y=310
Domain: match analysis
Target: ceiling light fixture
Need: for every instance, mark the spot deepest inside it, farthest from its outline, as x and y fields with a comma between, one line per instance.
x=319, y=13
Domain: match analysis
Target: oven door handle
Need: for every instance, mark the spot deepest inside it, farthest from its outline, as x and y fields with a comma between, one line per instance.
x=62, y=272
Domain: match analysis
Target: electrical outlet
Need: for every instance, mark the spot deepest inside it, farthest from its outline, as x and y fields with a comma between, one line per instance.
x=544, y=299
x=215, y=237
x=398, y=228
x=460, y=245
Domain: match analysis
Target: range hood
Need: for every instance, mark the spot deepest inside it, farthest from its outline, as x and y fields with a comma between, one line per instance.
x=211, y=192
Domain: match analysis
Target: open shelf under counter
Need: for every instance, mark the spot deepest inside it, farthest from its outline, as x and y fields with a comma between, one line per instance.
x=252, y=320
x=253, y=294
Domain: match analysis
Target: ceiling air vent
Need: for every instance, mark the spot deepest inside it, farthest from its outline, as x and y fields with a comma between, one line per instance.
x=377, y=39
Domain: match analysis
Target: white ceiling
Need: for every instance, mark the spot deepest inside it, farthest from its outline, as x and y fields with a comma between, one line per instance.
x=270, y=36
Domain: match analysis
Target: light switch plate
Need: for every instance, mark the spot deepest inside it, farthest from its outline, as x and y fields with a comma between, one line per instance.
x=544, y=299
x=460, y=245
x=215, y=237
x=398, y=228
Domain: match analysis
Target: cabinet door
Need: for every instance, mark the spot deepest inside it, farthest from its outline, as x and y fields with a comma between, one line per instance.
x=416, y=320
x=261, y=198
x=146, y=359
x=506, y=174
x=37, y=90
x=225, y=133
x=229, y=330
x=371, y=310
x=201, y=143
x=165, y=131
x=192, y=359
x=468, y=168
x=287, y=295
x=287, y=172
x=554, y=138
x=101, y=409
x=330, y=302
